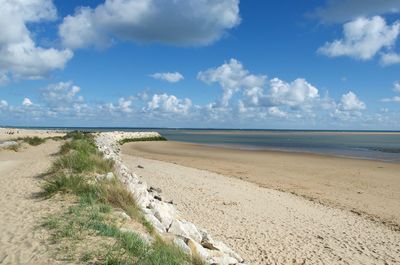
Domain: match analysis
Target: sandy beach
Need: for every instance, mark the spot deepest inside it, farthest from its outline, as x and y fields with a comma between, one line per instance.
x=12, y=133
x=21, y=239
x=352, y=217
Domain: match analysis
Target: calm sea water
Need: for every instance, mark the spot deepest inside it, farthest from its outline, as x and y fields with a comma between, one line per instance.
x=366, y=145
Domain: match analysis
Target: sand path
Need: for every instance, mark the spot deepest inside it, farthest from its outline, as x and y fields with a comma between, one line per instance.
x=21, y=242
x=267, y=226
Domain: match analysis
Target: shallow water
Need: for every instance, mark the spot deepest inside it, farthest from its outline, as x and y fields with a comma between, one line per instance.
x=376, y=145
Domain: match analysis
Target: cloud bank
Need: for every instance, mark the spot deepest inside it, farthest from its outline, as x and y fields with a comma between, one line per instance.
x=175, y=22
x=363, y=38
x=20, y=57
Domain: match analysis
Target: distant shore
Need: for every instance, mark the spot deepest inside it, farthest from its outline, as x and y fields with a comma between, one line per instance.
x=363, y=186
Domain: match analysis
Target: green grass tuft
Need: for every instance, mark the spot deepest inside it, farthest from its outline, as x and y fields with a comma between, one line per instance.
x=73, y=173
x=35, y=141
x=145, y=139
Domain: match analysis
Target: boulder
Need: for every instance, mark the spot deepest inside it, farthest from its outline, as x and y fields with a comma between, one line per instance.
x=7, y=144
x=223, y=260
x=164, y=212
x=185, y=229
x=109, y=176
x=155, y=222
x=179, y=242
x=197, y=249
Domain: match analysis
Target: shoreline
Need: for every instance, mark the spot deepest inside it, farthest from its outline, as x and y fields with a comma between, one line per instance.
x=267, y=226
x=291, y=151
x=367, y=187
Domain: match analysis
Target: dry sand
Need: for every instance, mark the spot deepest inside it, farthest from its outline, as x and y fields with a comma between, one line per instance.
x=12, y=133
x=267, y=226
x=363, y=186
x=21, y=239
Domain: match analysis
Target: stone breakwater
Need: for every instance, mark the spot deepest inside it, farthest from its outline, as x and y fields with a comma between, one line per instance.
x=163, y=215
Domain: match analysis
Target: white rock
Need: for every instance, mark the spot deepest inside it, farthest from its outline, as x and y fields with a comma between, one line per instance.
x=155, y=222
x=185, y=229
x=164, y=212
x=7, y=144
x=179, y=242
x=197, y=249
x=225, y=249
x=223, y=260
x=109, y=176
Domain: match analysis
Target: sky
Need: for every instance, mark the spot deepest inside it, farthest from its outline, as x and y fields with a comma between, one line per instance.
x=305, y=64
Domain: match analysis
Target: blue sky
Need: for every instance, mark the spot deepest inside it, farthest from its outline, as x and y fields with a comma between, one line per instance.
x=331, y=64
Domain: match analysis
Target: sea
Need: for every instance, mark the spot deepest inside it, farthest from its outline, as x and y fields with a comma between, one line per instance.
x=374, y=145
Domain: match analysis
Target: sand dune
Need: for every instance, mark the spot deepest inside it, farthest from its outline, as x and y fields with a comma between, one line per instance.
x=265, y=226
x=21, y=240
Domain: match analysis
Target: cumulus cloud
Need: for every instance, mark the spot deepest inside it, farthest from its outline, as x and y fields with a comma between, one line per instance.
x=19, y=54
x=396, y=88
x=169, y=104
x=3, y=79
x=350, y=102
x=176, y=22
x=232, y=77
x=298, y=93
x=344, y=10
x=123, y=105
x=27, y=102
x=363, y=38
x=3, y=104
x=169, y=77
x=62, y=93
x=390, y=58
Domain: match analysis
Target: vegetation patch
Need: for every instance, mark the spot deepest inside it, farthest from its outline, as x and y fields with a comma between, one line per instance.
x=144, y=139
x=34, y=141
x=90, y=222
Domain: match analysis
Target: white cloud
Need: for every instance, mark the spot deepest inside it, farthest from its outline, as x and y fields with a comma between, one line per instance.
x=396, y=86
x=395, y=99
x=62, y=93
x=350, y=102
x=363, y=38
x=169, y=77
x=176, y=22
x=298, y=93
x=169, y=103
x=125, y=105
x=3, y=79
x=390, y=58
x=19, y=55
x=27, y=102
x=232, y=77
x=344, y=10
x=3, y=104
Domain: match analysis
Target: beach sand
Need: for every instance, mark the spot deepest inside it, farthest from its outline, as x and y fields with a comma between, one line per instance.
x=22, y=241
x=234, y=194
x=12, y=133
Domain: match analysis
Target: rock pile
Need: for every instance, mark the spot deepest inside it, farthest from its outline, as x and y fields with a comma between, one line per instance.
x=163, y=215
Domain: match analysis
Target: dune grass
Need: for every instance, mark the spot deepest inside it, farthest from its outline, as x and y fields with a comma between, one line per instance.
x=144, y=139
x=90, y=221
x=34, y=141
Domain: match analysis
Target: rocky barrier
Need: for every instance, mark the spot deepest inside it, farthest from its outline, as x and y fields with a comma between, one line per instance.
x=163, y=215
